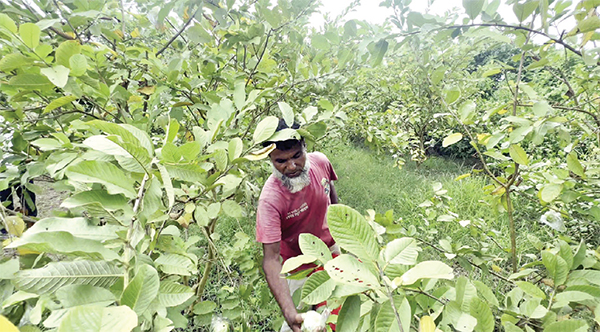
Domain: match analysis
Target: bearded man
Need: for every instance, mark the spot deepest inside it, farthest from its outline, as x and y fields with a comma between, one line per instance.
x=294, y=200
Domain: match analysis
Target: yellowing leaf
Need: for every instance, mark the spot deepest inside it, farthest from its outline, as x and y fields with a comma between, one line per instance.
x=496, y=268
x=147, y=90
x=260, y=154
x=502, y=111
x=426, y=324
x=451, y=139
x=16, y=225
x=6, y=325
x=135, y=33
x=463, y=176
x=186, y=15
x=119, y=33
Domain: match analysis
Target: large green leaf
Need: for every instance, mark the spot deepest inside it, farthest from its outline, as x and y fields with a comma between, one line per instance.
x=30, y=82
x=473, y=7
x=427, y=270
x=386, y=319
x=349, y=270
x=78, y=64
x=349, y=316
x=92, y=171
x=531, y=289
x=58, y=75
x=7, y=23
x=172, y=294
x=56, y=275
x=99, y=319
x=483, y=314
x=465, y=292
x=76, y=295
x=295, y=262
x=556, y=266
x=574, y=165
x=352, y=232
x=317, y=288
x=111, y=145
x=30, y=34
x=59, y=102
x=175, y=264
x=571, y=325
x=141, y=290
x=65, y=51
x=518, y=155
x=550, y=192
x=315, y=247
x=265, y=129
x=64, y=243
x=13, y=61
x=79, y=227
x=523, y=10
x=401, y=251
x=486, y=293
x=128, y=134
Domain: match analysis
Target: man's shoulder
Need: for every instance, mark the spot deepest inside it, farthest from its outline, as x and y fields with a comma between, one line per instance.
x=318, y=157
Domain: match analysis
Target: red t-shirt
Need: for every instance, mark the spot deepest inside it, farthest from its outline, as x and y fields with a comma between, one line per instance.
x=283, y=216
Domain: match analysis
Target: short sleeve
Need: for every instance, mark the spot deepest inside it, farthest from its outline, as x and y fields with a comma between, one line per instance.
x=326, y=165
x=268, y=222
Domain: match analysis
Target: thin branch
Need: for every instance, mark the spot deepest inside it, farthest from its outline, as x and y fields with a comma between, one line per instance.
x=66, y=19
x=178, y=32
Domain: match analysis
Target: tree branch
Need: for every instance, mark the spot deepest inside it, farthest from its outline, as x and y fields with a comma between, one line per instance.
x=178, y=32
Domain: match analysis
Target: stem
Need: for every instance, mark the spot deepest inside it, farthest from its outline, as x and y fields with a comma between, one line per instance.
x=178, y=32
x=389, y=293
x=128, y=249
x=207, y=269
x=513, y=233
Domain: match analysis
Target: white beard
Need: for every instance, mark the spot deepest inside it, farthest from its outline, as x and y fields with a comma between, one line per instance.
x=295, y=184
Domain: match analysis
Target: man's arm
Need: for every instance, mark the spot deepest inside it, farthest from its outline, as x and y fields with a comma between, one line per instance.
x=279, y=286
x=332, y=193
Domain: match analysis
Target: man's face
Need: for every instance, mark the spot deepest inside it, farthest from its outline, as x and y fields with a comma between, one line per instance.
x=291, y=162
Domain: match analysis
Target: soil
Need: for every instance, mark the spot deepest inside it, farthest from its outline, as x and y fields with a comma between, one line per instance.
x=49, y=199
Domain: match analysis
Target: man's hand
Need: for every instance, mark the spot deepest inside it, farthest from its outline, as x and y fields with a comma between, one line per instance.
x=294, y=321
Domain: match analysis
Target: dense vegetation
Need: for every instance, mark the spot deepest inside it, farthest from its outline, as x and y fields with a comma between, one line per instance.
x=151, y=115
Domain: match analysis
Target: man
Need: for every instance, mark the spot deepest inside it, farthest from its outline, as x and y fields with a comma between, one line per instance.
x=294, y=200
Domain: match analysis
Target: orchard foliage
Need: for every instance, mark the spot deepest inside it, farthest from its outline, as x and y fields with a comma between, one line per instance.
x=150, y=115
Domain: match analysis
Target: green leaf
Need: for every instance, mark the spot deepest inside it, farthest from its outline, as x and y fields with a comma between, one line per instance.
x=465, y=292
x=427, y=270
x=236, y=147
x=204, y=307
x=92, y=171
x=30, y=34
x=349, y=270
x=486, y=292
x=574, y=165
x=314, y=247
x=30, y=82
x=128, y=133
x=483, y=314
x=265, y=129
x=141, y=290
x=556, y=266
x=473, y=7
x=14, y=61
x=566, y=253
x=78, y=64
x=531, y=289
x=564, y=298
x=175, y=264
x=59, y=102
x=589, y=24
x=491, y=72
x=524, y=10
x=570, y=325
x=58, y=75
x=451, y=139
x=551, y=192
x=378, y=52
x=386, y=319
x=200, y=215
x=317, y=288
x=349, y=315
x=232, y=209
x=56, y=275
x=99, y=319
x=65, y=51
x=221, y=159
x=78, y=227
x=7, y=23
x=287, y=113
x=47, y=144
x=76, y=295
x=63, y=243
x=518, y=155
x=352, y=232
x=401, y=251
x=451, y=94
x=9, y=268
x=172, y=131
x=171, y=294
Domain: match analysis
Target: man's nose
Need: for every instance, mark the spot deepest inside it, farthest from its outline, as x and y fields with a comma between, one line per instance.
x=292, y=165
